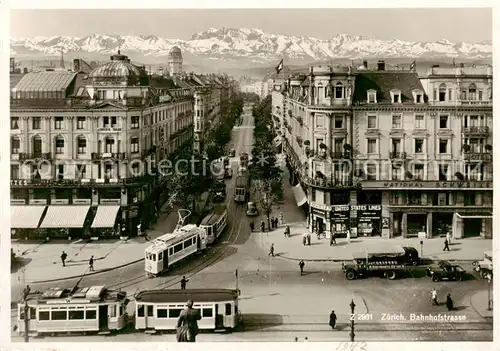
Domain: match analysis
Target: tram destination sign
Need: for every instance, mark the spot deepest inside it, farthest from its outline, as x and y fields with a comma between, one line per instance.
x=427, y=185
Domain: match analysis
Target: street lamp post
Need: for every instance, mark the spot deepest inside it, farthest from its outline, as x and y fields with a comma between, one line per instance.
x=421, y=248
x=490, y=300
x=352, y=304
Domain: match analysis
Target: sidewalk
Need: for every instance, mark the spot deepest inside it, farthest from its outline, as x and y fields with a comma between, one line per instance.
x=42, y=263
x=479, y=301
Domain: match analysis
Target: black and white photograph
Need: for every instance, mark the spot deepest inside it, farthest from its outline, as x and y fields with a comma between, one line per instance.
x=250, y=175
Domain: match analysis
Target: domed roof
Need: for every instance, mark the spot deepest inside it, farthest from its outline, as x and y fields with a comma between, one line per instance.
x=175, y=52
x=119, y=67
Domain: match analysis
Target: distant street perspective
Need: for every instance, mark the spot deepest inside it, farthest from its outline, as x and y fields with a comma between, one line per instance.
x=336, y=201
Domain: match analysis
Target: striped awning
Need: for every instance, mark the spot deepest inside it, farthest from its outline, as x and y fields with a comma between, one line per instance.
x=105, y=216
x=476, y=215
x=67, y=216
x=299, y=194
x=23, y=217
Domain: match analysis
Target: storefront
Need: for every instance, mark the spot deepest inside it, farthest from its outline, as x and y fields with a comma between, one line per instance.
x=25, y=220
x=105, y=222
x=369, y=220
x=65, y=221
x=339, y=220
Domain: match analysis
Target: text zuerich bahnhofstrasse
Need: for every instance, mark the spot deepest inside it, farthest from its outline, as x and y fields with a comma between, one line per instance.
x=422, y=317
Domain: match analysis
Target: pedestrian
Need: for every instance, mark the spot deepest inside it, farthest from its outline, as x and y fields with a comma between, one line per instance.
x=304, y=239
x=187, y=324
x=448, y=237
x=333, y=319
x=262, y=226
x=332, y=239
x=251, y=226
x=91, y=263
x=26, y=292
x=287, y=231
x=281, y=218
x=64, y=255
x=308, y=238
x=271, y=250
x=449, y=302
x=446, y=245
x=306, y=339
x=183, y=282
x=139, y=229
x=434, y=296
x=348, y=236
x=296, y=339
x=301, y=266
x=275, y=222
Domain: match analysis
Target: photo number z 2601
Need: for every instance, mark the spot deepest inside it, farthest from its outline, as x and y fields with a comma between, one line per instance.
x=361, y=317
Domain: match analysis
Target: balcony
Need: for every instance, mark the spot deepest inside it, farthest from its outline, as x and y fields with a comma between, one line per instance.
x=72, y=183
x=340, y=155
x=326, y=183
x=478, y=156
x=108, y=129
x=117, y=156
x=475, y=103
x=473, y=131
x=397, y=155
x=37, y=156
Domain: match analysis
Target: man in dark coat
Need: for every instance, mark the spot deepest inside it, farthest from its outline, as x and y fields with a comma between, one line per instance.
x=449, y=302
x=301, y=266
x=187, y=324
x=91, y=263
x=64, y=255
x=446, y=245
x=333, y=319
x=183, y=282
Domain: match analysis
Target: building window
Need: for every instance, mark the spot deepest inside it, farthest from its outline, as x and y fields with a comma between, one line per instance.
x=397, y=122
x=14, y=171
x=449, y=94
x=82, y=145
x=442, y=92
x=443, y=172
x=37, y=145
x=372, y=97
x=113, y=122
x=419, y=98
x=371, y=172
x=371, y=146
x=396, y=172
x=15, y=145
x=320, y=121
x=418, y=171
x=419, y=146
x=338, y=122
x=443, y=146
x=58, y=122
x=134, y=124
x=419, y=121
x=319, y=141
x=472, y=92
x=101, y=94
x=463, y=94
x=443, y=122
x=36, y=123
x=134, y=144
x=396, y=98
x=339, y=89
x=59, y=145
x=80, y=172
x=372, y=122
x=396, y=145
x=338, y=145
x=14, y=123
x=109, y=145
x=80, y=123
x=480, y=95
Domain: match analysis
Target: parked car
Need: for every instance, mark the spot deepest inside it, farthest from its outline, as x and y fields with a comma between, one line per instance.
x=485, y=266
x=228, y=173
x=444, y=270
x=232, y=153
x=219, y=190
x=252, y=209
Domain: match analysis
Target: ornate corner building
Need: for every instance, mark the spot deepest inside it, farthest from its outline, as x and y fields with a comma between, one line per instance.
x=386, y=152
x=86, y=145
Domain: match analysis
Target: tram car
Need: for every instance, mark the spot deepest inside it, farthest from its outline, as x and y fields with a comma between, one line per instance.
x=160, y=309
x=88, y=309
x=173, y=247
x=215, y=223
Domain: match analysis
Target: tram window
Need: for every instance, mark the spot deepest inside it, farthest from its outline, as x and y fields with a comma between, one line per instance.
x=174, y=312
x=121, y=310
x=59, y=315
x=188, y=243
x=160, y=256
x=90, y=314
x=235, y=310
x=194, y=240
x=207, y=312
x=170, y=251
x=209, y=231
x=153, y=257
x=44, y=315
x=76, y=314
x=162, y=313
x=150, y=311
x=112, y=311
x=140, y=310
x=32, y=313
x=228, y=309
x=177, y=248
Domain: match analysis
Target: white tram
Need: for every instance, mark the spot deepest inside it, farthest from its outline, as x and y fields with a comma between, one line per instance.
x=173, y=247
x=215, y=223
x=90, y=309
x=160, y=309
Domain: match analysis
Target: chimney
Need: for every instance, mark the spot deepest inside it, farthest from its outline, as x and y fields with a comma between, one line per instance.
x=365, y=64
x=381, y=65
x=76, y=65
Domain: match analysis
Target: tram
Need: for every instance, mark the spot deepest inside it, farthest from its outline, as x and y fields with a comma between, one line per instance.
x=241, y=188
x=215, y=223
x=89, y=309
x=173, y=247
x=160, y=309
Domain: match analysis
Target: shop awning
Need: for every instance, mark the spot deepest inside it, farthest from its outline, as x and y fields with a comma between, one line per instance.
x=299, y=194
x=105, y=216
x=475, y=215
x=71, y=216
x=24, y=217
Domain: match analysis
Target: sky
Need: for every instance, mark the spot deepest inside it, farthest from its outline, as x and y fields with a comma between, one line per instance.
x=465, y=24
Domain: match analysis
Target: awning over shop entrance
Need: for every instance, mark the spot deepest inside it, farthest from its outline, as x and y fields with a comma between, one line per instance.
x=71, y=216
x=26, y=217
x=475, y=215
x=299, y=194
x=105, y=216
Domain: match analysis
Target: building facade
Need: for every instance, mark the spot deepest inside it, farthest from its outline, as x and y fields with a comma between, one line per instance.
x=390, y=153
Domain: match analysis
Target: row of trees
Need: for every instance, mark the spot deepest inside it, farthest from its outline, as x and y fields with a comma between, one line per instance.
x=264, y=171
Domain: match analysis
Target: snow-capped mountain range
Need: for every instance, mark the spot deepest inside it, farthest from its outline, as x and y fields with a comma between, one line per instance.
x=251, y=45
